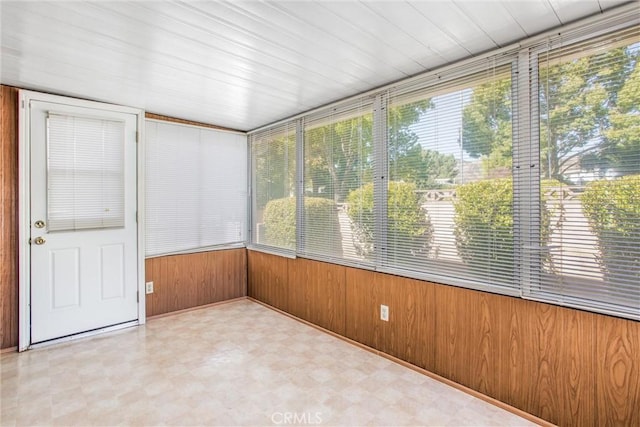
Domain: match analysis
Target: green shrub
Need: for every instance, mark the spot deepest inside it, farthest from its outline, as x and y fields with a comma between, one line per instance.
x=280, y=223
x=409, y=231
x=483, y=223
x=320, y=215
x=613, y=211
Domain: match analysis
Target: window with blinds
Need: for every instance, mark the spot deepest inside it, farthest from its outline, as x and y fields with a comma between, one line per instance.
x=85, y=173
x=518, y=174
x=337, y=209
x=273, y=162
x=589, y=124
x=195, y=188
x=450, y=189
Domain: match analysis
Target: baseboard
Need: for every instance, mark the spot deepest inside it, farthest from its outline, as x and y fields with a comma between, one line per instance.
x=198, y=307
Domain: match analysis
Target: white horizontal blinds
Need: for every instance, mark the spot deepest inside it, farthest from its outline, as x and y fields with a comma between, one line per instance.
x=85, y=173
x=273, y=166
x=195, y=188
x=450, y=194
x=223, y=207
x=338, y=184
x=589, y=112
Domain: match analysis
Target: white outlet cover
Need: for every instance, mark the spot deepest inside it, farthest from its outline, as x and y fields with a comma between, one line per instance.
x=384, y=312
x=149, y=287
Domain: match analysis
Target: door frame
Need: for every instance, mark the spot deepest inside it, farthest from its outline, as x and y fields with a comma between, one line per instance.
x=24, y=206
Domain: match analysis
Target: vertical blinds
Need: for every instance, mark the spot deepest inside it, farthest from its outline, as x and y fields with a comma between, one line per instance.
x=338, y=184
x=450, y=190
x=589, y=125
x=273, y=157
x=85, y=173
x=196, y=188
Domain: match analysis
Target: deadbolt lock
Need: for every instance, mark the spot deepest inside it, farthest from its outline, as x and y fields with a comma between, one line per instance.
x=39, y=241
x=39, y=224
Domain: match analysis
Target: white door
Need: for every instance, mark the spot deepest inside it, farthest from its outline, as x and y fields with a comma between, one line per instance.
x=83, y=230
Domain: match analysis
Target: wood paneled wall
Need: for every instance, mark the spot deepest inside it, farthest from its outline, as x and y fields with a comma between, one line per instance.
x=191, y=280
x=8, y=217
x=566, y=366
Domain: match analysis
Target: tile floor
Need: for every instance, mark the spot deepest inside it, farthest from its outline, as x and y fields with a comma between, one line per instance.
x=233, y=364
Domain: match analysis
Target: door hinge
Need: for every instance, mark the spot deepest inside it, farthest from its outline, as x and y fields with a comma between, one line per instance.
x=137, y=136
x=136, y=216
x=137, y=296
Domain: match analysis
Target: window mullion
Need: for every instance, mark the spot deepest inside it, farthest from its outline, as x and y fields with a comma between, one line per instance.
x=381, y=178
x=300, y=225
x=525, y=170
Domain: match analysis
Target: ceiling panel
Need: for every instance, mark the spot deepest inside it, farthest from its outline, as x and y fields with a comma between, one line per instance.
x=495, y=21
x=532, y=17
x=570, y=10
x=244, y=64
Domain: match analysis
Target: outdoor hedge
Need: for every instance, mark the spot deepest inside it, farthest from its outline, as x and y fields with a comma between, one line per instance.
x=409, y=231
x=612, y=208
x=321, y=217
x=483, y=223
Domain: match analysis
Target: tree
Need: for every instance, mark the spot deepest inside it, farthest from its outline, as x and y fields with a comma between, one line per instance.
x=275, y=169
x=588, y=115
x=577, y=99
x=623, y=151
x=335, y=153
x=339, y=155
x=486, y=125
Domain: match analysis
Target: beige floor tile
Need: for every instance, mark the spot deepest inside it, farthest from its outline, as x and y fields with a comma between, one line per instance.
x=238, y=364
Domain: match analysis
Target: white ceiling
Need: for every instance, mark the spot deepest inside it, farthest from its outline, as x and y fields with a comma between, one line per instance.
x=244, y=64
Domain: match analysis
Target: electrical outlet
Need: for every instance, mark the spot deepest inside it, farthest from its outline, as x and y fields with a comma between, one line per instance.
x=384, y=312
x=149, y=287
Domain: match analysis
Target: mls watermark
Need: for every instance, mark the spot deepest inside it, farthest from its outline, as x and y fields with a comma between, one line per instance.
x=296, y=418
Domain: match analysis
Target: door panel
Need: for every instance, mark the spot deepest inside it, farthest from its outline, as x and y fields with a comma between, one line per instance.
x=64, y=278
x=83, y=219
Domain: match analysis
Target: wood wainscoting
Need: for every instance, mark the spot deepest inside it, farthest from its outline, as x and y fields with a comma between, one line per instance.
x=191, y=280
x=566, y=366
x=8, y=217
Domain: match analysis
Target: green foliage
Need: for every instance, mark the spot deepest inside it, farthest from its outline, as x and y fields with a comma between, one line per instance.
x=320, y=216
x=339, y=155
x=589, y=116
x=578, y=100
x=624, y=133
x=483, y=222
x=486, y=124
x=613, y=211
x=274, y=162
x=409, y=231
x=280, y=223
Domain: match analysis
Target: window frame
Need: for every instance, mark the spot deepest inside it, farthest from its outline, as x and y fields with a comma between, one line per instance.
x=525, y=158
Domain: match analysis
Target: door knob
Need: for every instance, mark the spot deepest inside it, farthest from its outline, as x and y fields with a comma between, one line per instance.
x=39, y=224
x=39, y=241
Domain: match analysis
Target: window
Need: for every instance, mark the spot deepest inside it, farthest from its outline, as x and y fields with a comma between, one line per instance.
x=338, y=184
x=450, y=190
x=191, y=201
x=517, y=173
x=273, y=162
x=85, y=173
x=589, y=118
